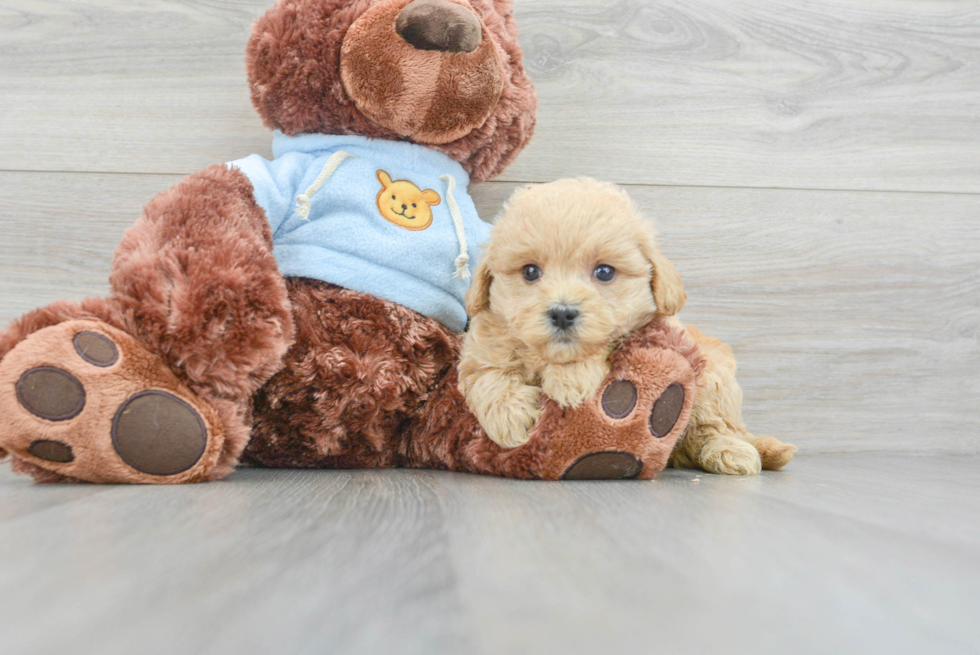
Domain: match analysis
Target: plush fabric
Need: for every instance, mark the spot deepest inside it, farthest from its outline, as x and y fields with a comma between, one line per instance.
x=293, y=62
x=349, y=237
x=426, y=95
x=93, y=456
x=361, y=369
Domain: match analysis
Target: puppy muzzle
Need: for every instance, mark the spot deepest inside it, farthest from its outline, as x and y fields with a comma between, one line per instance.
x=564, y=318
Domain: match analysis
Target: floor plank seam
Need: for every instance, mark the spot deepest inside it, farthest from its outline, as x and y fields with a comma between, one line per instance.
x=513, y=181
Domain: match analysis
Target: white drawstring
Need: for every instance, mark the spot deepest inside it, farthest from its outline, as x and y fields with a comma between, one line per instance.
x=304, y=201
x=462, y=272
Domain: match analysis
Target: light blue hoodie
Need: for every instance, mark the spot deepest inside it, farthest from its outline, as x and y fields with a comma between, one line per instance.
x=359, y=238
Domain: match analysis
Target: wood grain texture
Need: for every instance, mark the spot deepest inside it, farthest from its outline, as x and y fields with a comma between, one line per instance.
x=846, y=94
x=855, y=315
x=858, y=553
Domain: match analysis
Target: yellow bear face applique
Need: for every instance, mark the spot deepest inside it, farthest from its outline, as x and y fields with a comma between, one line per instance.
x=404, y=204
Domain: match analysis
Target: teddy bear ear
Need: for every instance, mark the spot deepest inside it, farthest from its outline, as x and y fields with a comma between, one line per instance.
x=431, y=197
x=384, y=178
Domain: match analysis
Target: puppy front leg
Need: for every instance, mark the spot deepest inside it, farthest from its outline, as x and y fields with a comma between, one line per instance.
x=505, y=406
x=572, y=384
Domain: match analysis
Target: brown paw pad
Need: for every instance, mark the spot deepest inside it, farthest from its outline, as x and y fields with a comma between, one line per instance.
x=159, y=434
x=619, y=399
x=95, y=348
x=604, y=466
x=666, y=411
x=51, y=393
x=52, y=451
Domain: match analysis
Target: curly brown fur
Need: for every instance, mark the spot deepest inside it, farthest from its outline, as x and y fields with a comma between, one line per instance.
x=294, y=59
x=196, y=281
x=359, y=370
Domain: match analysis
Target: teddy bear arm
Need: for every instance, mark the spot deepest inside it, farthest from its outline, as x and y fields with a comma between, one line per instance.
x=198, y=284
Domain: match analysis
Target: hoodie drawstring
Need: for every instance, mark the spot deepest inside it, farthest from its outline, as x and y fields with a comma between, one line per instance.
x=305, y=201
x=462, y=272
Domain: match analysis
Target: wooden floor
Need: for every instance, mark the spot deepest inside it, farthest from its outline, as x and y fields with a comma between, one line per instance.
x=814, y=171
x=854, y=553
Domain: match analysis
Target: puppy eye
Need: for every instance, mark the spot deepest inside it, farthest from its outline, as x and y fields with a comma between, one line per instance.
x=393, y=197
x=413, y=204
x=604, y=273
x=531, y=273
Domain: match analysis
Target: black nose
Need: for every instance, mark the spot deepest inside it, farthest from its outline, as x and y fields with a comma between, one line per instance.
x=439, y=25
x=404, y=207
x=563, y=317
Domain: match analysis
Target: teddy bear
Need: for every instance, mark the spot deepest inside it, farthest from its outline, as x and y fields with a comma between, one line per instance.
x=307, y=311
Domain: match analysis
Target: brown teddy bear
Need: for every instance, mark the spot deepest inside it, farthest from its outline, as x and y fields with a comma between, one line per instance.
x=307, y=311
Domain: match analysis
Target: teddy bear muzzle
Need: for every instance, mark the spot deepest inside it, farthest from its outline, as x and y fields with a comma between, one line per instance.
x=428, y=70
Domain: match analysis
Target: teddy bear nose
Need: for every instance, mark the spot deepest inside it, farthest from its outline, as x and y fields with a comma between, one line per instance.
x=563, y=317
x=439, y=25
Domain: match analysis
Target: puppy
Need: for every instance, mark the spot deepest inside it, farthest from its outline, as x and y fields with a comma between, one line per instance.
x=570, y=270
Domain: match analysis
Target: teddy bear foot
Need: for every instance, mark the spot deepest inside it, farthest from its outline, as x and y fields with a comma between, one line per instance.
x=81, y=400
x=619, y=403
x=626, y=431
x=632, y=424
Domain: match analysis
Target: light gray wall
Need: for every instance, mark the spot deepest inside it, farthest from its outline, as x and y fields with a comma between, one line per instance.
x=814, y=171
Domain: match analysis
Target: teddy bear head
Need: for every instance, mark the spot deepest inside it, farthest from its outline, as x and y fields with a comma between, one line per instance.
x=447, y=74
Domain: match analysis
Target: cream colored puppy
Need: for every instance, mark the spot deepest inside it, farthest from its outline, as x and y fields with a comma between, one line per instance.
x=570, y=270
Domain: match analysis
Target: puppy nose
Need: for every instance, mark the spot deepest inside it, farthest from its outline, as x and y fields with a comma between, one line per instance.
x=404, y=206
x=439, y=25
x=563, y=317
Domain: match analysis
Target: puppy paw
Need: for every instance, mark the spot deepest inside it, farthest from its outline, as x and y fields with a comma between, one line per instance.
x=508, y=423
x=730, y=456
x=570, y=385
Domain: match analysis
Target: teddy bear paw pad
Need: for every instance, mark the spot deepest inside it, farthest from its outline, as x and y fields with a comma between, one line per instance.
x=158, y=433
x=90, y=402
x=51, y=393
x=666, y=410
x=604, y=466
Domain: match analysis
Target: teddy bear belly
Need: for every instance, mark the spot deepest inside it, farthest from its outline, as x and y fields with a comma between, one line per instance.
x=358, y=372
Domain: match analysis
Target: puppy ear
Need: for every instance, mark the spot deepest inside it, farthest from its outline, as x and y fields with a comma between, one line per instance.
x=668, y=289
x=384, y=178
x=478, y=295
x=431, y=198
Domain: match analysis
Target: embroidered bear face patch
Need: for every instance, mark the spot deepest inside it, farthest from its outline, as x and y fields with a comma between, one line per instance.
x=404, y=204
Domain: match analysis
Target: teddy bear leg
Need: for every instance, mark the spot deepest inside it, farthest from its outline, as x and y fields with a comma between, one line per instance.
x=359, y=371
x=154, y=384
x=196, y=281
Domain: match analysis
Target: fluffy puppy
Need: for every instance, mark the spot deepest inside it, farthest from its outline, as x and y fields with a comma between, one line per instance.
x=570, y=270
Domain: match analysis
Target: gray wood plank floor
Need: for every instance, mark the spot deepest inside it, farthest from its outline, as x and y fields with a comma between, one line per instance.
x=814, y=172
x=839, y=554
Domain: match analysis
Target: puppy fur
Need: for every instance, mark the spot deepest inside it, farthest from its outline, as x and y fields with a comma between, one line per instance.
x=514, y=349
